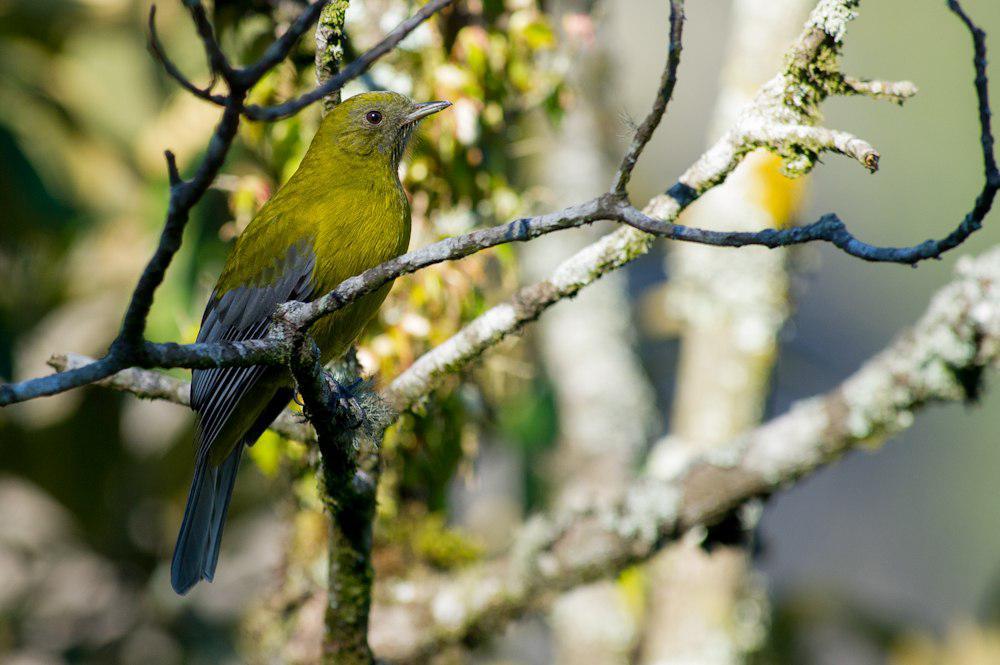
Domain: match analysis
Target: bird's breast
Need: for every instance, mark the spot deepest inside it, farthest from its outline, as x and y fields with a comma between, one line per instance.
x=363, y=228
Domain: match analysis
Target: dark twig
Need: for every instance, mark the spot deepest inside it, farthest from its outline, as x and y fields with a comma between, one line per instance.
x=60, y=382
x=173, y=173
x=183, y=196
x=281, y=47
x=663, y=94
x=156, y=48
x=217, y=60
x=150, y=384
x=982, y=93
x=249, y=75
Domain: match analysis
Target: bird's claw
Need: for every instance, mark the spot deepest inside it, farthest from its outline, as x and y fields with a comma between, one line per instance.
x=346, y=404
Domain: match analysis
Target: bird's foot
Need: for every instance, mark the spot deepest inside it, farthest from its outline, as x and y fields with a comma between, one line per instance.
x=346, y=404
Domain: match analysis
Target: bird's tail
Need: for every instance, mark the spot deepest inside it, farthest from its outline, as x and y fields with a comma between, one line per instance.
x=197, y=549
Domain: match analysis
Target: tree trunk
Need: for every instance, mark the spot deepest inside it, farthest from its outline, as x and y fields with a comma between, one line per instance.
x=706, y=607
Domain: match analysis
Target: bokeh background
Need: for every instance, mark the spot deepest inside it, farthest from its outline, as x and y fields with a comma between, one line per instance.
x=890, y=554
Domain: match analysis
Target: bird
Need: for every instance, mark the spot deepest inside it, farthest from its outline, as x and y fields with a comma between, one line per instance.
x=342, y=212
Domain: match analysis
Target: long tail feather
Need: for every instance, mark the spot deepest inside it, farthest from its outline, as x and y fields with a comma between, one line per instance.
x=197, y=549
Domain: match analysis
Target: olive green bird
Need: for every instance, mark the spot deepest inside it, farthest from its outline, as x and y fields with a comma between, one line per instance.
x=342, y=212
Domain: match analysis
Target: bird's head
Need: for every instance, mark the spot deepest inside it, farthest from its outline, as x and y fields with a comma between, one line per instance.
x=377, y=123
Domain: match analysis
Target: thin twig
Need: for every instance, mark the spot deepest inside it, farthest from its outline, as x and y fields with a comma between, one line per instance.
x=663, y=95
x=217, y=60
x=893, y=91
x=149, y=384
x=156, y=48
x=282, y=46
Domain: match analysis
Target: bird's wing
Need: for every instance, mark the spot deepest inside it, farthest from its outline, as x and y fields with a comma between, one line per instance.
x=240, y=314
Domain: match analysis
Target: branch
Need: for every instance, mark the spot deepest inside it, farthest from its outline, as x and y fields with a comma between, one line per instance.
x=217, y=60
x=893, y=91
x=147, y=384
x=941, y=359
x=281, y=47
x=184, y=194
x=663, y=95
x=330, y=47
x=156, y=48
x=781, y=137
x=982, y=94
x=348, y=435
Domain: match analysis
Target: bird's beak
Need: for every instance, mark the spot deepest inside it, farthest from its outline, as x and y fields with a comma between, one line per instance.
x=421, y=111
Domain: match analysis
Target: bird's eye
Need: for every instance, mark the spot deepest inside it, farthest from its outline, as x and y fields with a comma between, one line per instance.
x=373, y=117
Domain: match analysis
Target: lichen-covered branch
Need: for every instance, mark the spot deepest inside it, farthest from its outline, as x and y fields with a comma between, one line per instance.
x=347, y=438
x=893, y=91
x=698, y=598
x=941, y=359
x=330, y=47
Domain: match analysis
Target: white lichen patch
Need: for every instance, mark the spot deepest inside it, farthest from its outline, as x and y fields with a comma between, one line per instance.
x=832, y=17
x=462, y=599
x=669, y=460
x=535, y=536
x=403, y=592
x=592, y=261
x=729, y=456
x=448, y=608
x=788, y=444
x=645, y=510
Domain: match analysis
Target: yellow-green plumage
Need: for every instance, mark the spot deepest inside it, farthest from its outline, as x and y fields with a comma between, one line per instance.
x=341, y=213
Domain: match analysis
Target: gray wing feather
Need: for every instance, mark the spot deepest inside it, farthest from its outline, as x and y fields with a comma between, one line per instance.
x=243, y=314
